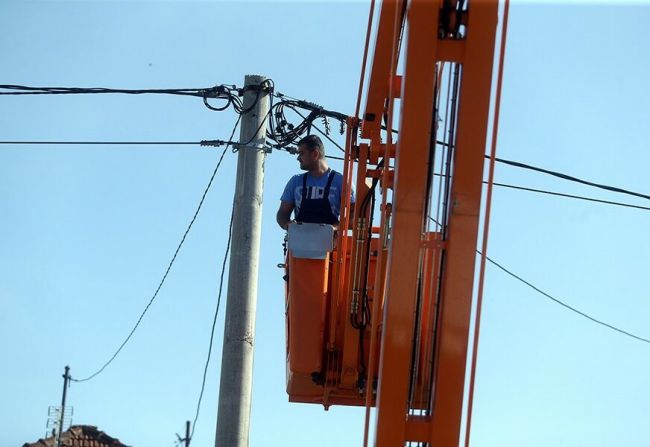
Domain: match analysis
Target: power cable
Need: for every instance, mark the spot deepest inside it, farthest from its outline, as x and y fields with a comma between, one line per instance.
x=285, y=133
x=571, y=196
x=278, y=132
x=556, y=300
x=292, y=151
x=213, y=143
x=228, y=93
x=573, y=309
x=554, y=173
x=322, y=133
x=92, y=143
x=14, y=90
x=254, y=135
x=570, y=178
x=171, y=263
x=214, y=321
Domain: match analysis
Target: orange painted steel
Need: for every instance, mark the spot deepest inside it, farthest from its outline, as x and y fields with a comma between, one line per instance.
x=338, y=279
x=409, y=205
x=357, y=274
x=378, y=85
x=457, y=282
x=486, y=223
x=305, y=305
x=385, y=56
x=309, y=299
x=362, y=76
x=394, y=302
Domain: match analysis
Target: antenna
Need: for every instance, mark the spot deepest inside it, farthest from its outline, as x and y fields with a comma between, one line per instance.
x=54, y=418
x=59, y=417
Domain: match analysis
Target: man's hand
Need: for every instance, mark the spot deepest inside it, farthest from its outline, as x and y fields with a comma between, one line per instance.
x=283, y=216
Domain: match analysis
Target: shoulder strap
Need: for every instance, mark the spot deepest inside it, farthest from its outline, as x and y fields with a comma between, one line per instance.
x=329, y=183
x=304, y=186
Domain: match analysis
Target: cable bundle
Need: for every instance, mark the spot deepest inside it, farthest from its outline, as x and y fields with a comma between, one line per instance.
x=284, y=133
x=280, y=131
x=232, y=95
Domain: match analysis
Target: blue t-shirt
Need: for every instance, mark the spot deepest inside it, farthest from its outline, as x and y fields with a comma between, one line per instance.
x=315, y=190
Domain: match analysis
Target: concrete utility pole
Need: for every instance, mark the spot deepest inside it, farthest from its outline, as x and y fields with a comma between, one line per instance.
x=239, y=334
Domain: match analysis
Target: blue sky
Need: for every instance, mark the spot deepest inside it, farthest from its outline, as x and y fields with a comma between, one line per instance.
x=87, y=232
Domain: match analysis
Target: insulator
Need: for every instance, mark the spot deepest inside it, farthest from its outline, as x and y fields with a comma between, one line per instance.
x=326, y=123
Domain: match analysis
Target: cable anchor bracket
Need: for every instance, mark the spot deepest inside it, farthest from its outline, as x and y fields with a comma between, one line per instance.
x=253, y=147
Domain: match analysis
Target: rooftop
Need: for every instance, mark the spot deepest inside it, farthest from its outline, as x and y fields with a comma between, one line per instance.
x=80, y=436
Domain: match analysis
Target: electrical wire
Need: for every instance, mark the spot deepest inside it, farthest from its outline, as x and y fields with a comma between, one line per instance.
x=556, y=300
x=214, y=321
x=14, y=90
x=571, y=178
x=224, y=92
x=563, y=304
x=169, y=267
x=293, y=152
x=571, y=196
x=116, y=143
x=213, y=143
x=323, y=133
x=285, y=133
x=553, y=173
x=148, y=143
x=280, y=131
x=254, y=134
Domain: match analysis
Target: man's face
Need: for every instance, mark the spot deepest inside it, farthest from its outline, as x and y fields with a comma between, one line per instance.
x=307, y=158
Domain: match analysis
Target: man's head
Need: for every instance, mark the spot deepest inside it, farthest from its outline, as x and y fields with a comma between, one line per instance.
x=311, y=152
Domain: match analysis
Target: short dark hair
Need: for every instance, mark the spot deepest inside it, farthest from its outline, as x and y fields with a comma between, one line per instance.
x=313, y=143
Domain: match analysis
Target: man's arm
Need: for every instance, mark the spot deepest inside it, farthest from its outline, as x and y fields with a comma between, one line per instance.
x=284, y=214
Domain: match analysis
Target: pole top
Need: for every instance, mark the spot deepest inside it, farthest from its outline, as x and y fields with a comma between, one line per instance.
x=253, y=79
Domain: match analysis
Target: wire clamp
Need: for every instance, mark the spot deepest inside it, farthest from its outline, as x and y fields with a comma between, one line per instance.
x=253, y=147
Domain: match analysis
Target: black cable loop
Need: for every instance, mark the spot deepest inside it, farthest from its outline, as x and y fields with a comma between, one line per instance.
x=217, y=109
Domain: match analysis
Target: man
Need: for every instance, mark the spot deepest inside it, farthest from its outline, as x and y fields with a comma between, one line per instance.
x=314, y=196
